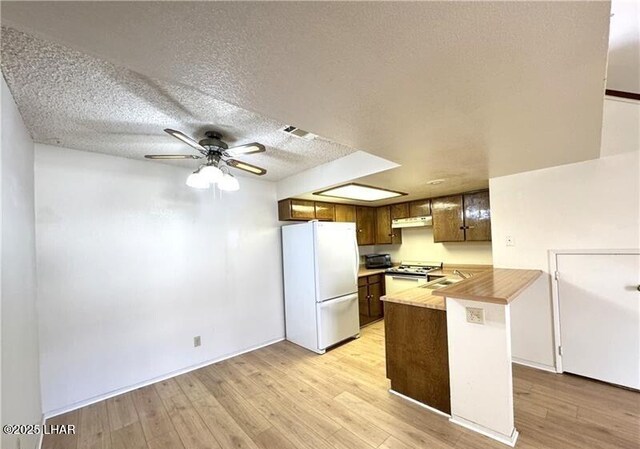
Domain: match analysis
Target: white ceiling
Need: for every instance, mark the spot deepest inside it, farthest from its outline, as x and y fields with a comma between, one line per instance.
x=70, y=99
x=456, y=90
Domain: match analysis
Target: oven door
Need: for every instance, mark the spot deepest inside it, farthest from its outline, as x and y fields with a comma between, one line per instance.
x=397, y=282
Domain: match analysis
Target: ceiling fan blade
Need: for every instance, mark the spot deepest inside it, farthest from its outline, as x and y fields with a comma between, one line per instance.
x=246, y=167
x=249, y=148
x=186, y=139
x=172, y=156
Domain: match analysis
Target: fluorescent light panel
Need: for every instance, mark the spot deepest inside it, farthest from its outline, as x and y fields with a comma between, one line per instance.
x=360, y=192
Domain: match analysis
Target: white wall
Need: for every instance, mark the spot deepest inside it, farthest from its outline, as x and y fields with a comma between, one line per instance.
x=132, y=264
x=588, y=205
x=620, y=126
x=417, y=244
x=20, y=372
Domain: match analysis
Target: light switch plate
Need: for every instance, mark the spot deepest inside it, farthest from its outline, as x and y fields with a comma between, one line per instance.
x=196, y=341
x=475, y=315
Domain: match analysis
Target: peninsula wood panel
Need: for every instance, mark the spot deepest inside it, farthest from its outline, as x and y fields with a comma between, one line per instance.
x=366, y=225
x=420, y=208
x=345, y=213
x=325, y=211
x=348, y=386
x=477, y=216
x=417, y=354
x=448, y=219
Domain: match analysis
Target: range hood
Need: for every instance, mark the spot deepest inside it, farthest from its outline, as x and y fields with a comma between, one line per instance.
x=413, y=222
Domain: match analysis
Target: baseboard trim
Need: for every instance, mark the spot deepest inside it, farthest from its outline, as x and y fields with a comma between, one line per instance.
x=431, y=409
x=509, y=440
x=119, y=391
x=540, y=366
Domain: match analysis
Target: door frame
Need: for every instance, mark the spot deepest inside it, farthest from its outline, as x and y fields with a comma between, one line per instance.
x=555, y=293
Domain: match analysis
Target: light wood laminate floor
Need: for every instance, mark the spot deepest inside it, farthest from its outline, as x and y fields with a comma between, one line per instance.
x=284, y=397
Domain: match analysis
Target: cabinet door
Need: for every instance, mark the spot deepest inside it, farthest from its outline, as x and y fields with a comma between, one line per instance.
x=448, y=222
x=345, y=213
x=303, y=210
x=420, y=208
x=385, y=234
x=363, y=305
x=383, y=225
x=477, y=216
x=375, y=305
x=325, y=211
x=293, y=209
x=400, y=211
x=366, y=225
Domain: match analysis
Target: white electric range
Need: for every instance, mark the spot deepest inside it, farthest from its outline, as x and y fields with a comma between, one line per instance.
x=409, y=274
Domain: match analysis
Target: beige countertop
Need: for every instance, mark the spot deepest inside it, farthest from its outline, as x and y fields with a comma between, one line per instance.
x=424, y=297
x=362, y=271
x=419, y=297
x=498, y=285
x=447, y=270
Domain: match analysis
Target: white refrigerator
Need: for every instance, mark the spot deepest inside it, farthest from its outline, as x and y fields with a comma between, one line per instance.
x=320, y=262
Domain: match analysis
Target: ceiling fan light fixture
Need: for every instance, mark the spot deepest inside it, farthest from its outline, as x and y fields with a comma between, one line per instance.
x=228, y=183
x=211, y=173
x=197, y=181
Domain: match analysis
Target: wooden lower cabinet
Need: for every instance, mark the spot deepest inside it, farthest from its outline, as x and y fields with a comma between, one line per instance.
x=417, y=354
x=370, y=290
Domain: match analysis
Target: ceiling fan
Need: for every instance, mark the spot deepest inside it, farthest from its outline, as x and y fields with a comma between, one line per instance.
x=219, y=157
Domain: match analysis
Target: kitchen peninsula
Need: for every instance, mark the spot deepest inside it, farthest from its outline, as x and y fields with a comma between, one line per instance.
x=448, y=346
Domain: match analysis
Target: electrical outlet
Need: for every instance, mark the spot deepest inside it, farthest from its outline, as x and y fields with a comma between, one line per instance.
x=475, y=315
x=510, y=241
x=196, y=341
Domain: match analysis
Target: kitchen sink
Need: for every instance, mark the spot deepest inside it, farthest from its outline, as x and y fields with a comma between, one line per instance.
x=440, y=283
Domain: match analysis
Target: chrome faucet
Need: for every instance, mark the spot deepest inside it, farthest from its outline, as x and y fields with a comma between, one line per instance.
x=462, y=275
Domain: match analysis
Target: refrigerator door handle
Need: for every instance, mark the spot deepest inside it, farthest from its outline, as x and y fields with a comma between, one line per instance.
x=357, y=258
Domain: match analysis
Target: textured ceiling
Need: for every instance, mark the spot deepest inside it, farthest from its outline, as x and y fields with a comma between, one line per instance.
x=70, y=99
x=456, y=90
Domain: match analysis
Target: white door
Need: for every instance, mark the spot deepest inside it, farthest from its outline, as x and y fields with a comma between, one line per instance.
x=599, y=306
x=338, y=320
x=337, y=260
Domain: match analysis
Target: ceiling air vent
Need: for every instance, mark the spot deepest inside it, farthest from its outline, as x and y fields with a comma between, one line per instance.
x=297, y=132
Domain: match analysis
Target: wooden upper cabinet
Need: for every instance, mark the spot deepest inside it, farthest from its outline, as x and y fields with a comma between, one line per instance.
x=345, y=213
x=448, y=219
x=386, y=235
x=477, y=216
x=420, y=208
x=366, y=225
x=294, y=209
x=325, y=211
x=400, y=211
